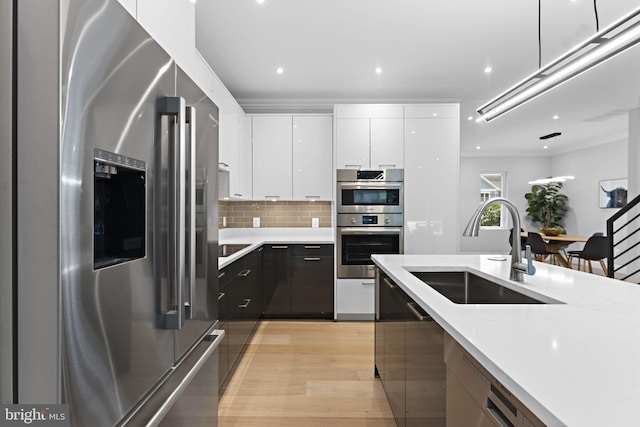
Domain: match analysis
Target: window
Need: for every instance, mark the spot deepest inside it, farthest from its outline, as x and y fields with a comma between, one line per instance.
x=492, y=185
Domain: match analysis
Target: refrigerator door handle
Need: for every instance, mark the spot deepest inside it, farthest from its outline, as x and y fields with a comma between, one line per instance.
x=173, y=317
x=215, y=337
x=190, y=308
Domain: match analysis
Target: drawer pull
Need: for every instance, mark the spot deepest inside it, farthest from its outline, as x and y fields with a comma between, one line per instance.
x=389, y=283
x=244, y=273
x=221, y=275
x=412, y=306
x=368, y=283
x=247, y=301
x=221, y=295
x=280, y=247
x=312, y=258
x=261, y=249
x=311, y=247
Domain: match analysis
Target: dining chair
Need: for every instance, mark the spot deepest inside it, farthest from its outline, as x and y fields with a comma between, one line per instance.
x=539, y=248
x=562, y=248
x=596, y=249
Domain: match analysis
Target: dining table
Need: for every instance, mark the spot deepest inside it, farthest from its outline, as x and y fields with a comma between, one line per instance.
x=556, y=243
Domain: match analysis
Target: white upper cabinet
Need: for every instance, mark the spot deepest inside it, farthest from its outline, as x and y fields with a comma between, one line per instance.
x=431, y=179
x=352, y=143
x=369, y=136
x=387, y=151
x=312, y=157
x=272, y=157
x=241, y=175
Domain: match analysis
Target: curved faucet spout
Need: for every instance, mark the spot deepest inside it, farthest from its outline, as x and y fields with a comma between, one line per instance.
x=473, y=228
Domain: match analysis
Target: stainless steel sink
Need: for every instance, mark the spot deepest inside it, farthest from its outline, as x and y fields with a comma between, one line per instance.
x=463, y=287
x=230, y=249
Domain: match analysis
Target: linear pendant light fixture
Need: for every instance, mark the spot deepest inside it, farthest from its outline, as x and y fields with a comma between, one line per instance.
x=612, y=40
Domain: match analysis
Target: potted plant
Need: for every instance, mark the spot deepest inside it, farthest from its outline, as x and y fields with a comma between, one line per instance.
x=547, y=206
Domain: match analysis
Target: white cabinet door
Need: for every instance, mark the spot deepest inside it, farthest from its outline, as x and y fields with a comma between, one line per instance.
x=387, y=149
x=431, y=181
x=355, y=299
x=272, y=157
x=228, y=148
x=241, y=175
x=352, y=143
x=312, y=157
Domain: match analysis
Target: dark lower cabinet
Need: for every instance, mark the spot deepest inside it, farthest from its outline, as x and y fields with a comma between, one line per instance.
x=298, y=281
x=240, y=302
x=276, y=280
x=312, y=281
x=409, y=357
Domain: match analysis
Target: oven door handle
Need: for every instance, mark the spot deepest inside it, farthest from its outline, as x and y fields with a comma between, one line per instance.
x=369, y=231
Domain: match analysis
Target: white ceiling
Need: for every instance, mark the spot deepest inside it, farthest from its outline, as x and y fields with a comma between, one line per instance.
x=428, y=51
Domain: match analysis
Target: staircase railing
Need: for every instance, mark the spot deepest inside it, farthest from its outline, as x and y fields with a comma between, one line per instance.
x=623, y=231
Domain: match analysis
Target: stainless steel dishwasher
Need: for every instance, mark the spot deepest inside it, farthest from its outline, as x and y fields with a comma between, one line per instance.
x=476, y=398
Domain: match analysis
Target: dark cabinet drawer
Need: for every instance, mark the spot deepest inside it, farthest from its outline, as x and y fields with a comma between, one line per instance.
x=312, y=250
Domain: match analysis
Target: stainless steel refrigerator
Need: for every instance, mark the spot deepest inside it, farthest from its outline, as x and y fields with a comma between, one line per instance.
x=116, y=219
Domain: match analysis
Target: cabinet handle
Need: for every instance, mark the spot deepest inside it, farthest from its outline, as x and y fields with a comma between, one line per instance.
x=247, y=301
x=368, y=283
x=312, y=247
x=279, y=247
x=244, y=273
x=390, y=164
x=271, y=197
x=414, y=310
x=226, y=165
x=221, y=295
x=312, y=197
x=353, y=166
x=221, y=275
x=312, y=259
x=237, y=194
x=261, y=249
x=389, y=283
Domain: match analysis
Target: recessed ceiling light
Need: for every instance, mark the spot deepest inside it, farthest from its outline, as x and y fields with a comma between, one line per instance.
x=279, y=70
x=477, y=147
x=435, y=114
x=259, y=1
x=556, y=117
x=545, y=147
x=378, y=70
x=470, y=118
x=488, y=70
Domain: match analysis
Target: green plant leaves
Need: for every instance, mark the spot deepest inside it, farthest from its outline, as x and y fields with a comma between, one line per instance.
x=547, y=205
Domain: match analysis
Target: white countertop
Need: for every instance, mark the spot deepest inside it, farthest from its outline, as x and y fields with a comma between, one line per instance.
x=256, y=237
x=574, y=364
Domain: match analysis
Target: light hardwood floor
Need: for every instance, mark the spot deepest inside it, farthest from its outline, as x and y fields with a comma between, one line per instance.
x=307, y=374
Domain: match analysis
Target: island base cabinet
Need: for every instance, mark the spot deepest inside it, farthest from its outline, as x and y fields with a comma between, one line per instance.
x=409, y=357
x=476, y=398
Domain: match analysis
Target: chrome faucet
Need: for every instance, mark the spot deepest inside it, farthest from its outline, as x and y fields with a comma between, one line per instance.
x=517, y=266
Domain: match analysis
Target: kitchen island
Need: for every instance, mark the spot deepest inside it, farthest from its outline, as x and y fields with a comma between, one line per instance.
x=572, y=362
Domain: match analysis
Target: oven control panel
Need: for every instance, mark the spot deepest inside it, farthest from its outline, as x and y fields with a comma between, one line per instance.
x=370, y=220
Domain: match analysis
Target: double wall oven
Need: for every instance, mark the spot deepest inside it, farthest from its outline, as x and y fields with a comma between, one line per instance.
x=369, y=205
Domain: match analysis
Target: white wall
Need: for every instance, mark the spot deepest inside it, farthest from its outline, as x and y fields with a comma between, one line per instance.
x=590, y=166
x=519, y=171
